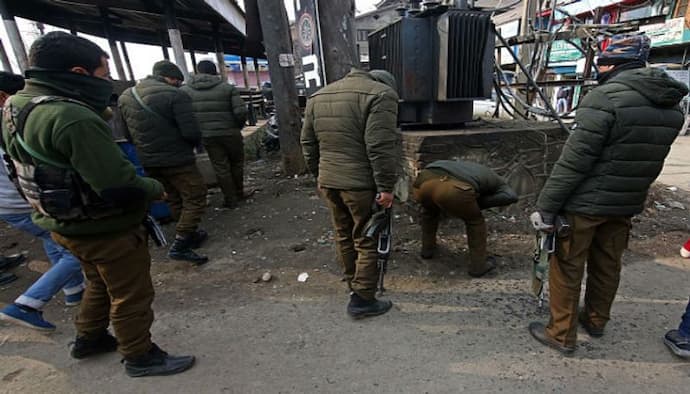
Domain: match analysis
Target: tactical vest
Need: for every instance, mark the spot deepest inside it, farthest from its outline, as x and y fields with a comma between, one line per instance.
x=52, y=188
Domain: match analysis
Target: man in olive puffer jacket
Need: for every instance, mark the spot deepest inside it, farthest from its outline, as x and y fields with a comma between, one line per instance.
x=160, y=119
x=623, y=131
x=221, y=113
x=350, y=144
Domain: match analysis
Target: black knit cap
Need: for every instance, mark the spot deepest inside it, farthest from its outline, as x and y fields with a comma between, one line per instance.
x=11, y=83
x=165, y=68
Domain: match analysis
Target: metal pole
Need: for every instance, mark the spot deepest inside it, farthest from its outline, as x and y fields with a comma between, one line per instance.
x=6, y=65
x=245, y=75
x=14, y=36
x=164, y=45
x=220, y=56
x=258, y=75
x=532, y=82
x=123, y=46
x=193, y=56
x=113, y=44
x=175, y=37
x=529, y=9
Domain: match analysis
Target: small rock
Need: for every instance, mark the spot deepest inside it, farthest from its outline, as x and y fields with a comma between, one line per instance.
x=672, y=188
x=298, y=247
x=266, y=277
x=302, y=277
x=675, y=204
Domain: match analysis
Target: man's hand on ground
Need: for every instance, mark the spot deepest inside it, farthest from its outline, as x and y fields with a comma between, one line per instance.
x=385, y=199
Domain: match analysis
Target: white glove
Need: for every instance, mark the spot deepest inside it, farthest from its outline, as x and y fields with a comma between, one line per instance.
x=540, y=222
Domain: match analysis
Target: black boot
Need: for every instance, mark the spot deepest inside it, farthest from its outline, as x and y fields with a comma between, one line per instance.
x=197, y=238
x=9, y=262
x=156, y=362
x=82, y=347
x=181, y=249
x=359, y=308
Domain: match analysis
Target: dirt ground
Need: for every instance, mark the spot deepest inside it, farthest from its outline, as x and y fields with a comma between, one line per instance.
x=447, y=332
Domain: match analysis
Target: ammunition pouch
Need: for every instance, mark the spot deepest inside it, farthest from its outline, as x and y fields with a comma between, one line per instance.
x=54, y=189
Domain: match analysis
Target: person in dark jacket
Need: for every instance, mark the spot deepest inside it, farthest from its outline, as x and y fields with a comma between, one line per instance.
x=160, y=119
x=623, y=131
x=460, y=189
x=351, y=146
x=67, y=91
x=221, y=113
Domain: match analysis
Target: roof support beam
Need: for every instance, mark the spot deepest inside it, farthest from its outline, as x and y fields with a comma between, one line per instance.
x=230, y=12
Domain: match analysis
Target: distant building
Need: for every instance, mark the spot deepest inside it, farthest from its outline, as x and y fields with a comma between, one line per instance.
x=384, y=14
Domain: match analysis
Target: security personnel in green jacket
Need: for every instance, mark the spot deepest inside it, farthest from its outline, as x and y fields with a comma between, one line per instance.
x=161, y=121
x=350, y=144
x=460, y=189
x=221, y=113
x=88, y=195
x=623, y=131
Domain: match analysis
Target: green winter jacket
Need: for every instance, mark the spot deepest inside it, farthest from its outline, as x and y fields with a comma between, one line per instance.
x=77, y=135
x=623, y=131
x=493, y=190
x=349, y=137
x=167, y=137
x=217, y=105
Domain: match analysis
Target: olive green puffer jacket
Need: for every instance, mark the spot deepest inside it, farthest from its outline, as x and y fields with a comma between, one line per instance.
x=349, y=137
x=623, y=131
x=217, y=105
x=168, y=137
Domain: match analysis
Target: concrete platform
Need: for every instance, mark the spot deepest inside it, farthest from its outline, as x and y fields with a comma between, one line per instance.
x=522, y=152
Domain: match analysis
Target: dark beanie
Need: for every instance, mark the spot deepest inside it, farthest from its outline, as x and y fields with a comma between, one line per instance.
x=625, y=48
x=11, y=83
x=384, y=77
x=165, y=68
x=206, y=67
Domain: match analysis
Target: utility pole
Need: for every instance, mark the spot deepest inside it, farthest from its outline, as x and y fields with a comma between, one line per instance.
x=529, y=9
x=337, y=26
x=281, y=64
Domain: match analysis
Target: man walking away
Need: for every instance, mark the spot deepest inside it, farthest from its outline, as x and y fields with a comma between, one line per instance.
x=160, y=120
x=65, y=271
x=460, y=189
x=351, y=146
x=221, y=113
x=88, y=195
x=623, y=131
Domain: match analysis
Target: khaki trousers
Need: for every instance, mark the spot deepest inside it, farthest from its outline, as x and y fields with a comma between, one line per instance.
x=456, y=199
x=599, y=241
x=350, y=211
x=186, y=191
x=226, y=154
x=118, y=291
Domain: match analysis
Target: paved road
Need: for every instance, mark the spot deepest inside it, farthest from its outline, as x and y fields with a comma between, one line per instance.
x=676, y=171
